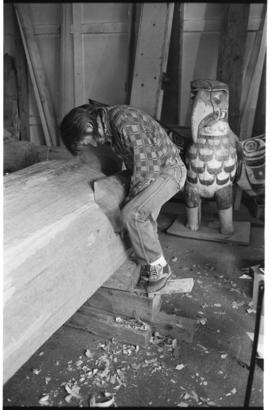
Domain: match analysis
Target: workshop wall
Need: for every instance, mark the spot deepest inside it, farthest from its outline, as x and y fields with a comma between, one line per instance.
x=201, y=33
x=85, y=51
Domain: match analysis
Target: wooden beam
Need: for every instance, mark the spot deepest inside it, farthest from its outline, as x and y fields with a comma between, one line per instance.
x=79, y=88
x=65, y=49
x=37, y=74
x=252, y=82
x=151, y=56
x=21, y=67
x=164, y=58
x=103, y=324
x=230, y=66
x=125, y=303
x=171, y=99
x=11, y=112
x=132, y=17
x=55, y=243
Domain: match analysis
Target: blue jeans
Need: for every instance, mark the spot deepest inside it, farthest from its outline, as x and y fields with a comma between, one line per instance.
x=139, y=215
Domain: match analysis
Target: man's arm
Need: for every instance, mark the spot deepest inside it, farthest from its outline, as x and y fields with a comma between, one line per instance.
x=141, y=160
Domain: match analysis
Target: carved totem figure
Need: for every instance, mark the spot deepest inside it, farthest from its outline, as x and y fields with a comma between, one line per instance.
x=212, y=157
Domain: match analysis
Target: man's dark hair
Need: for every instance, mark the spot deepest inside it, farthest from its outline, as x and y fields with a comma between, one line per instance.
x=73, y=126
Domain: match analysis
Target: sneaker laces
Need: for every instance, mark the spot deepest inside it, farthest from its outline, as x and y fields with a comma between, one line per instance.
x=154, y=272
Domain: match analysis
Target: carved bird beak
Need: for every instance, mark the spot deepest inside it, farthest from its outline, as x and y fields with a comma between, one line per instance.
x=202, y=109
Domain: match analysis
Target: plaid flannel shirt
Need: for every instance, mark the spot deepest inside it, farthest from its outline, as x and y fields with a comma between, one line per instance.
x=140, y=142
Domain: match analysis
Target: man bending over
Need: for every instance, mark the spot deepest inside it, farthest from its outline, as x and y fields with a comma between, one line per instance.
x=157, y=174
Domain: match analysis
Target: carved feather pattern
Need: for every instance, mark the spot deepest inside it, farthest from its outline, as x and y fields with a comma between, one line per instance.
x=211, y=162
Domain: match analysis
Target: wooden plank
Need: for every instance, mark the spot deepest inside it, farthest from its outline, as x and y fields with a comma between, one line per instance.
x=179, y=327
x=171, y=97
x=164, y=58
x=21, y=67
x=59, y=248
x=151, y=56
x=79, y=86
x=237, y=198
x=125, y=303
x=11, y=113
x=44, y=101
x=231, y=57
x=65, y=45
x=253, y=86
x=184, y=285
x=253, y=57
x=209, y=231
x=102, y=324
x=132, y=17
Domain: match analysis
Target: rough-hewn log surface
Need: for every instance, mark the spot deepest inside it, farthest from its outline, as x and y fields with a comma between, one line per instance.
x=22, y=154
x=59, y=248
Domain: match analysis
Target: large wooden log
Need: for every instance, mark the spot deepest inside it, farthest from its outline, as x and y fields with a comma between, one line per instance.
x=59, y=248
x=22, y=154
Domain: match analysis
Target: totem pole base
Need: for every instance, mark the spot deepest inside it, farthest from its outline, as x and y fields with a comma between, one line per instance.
x=209, y=231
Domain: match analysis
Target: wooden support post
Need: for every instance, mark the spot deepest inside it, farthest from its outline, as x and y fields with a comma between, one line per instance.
x=21, y=67
x=11, y=112
x=38, y=78
x=231, y=57
x=79, y=88
x=252, y=82
x=151, y=57
x=171, y=98
x=65, y=59
x=250, y=92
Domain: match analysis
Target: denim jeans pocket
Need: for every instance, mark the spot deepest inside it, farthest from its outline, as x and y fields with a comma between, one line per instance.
x=178, y=174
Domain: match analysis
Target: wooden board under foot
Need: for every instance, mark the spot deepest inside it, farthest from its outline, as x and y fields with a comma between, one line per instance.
x=209, y=231
x=184, y=285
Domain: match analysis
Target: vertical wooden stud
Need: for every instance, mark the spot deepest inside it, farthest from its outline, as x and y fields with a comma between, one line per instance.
x=44, y=101
x=78, y=54
x=151, y=56
x=231, y=55
x=252, y=82
x=171, y=97
x=65, y=44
